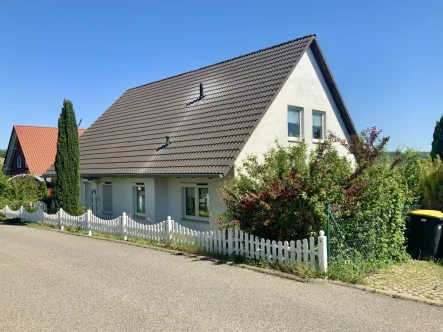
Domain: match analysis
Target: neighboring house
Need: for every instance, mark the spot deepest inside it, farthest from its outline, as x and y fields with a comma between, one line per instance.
x=31, y=150
x=163, y=148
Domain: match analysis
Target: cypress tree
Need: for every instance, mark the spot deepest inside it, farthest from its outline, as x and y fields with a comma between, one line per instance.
x=67, y=162
x=437, y=142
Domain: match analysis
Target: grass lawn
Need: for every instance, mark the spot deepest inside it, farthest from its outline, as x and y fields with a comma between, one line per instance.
x=415, y=278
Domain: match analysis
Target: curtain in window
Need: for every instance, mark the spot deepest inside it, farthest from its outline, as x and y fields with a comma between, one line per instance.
x=317, y=125
x=140, y=203
x=190, y=201
x=203, y=194
x=316, y=120
x=294, y=116
x=293, y=123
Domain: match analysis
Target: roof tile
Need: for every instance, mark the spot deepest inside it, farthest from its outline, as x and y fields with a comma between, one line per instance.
x=206, y=134
x=39, y=145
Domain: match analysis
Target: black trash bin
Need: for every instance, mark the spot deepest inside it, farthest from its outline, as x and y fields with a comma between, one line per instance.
x=424, y=234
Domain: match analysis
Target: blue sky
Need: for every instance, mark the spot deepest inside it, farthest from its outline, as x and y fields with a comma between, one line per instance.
x=386, y=56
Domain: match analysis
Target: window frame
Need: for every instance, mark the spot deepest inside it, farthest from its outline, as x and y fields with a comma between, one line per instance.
x=135, y=197
x=323, y=124
x=26, y=163
x=300, y=120
x=103, y=195
x=196, y=187
x=19, y=161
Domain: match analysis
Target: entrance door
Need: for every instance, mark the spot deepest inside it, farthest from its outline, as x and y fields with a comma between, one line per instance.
x=91, y=197
x=94, y=201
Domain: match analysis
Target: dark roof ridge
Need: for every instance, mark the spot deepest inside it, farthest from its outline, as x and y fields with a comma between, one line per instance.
x=224, y=61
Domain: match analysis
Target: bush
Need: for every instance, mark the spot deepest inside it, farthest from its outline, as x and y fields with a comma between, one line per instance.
x=411, y=171
x=376, y=218
x=284, y=197
x=21, y=191
x=431, y=183
x=26, y=188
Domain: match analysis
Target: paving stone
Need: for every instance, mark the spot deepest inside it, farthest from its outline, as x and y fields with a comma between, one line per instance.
x=415, y=278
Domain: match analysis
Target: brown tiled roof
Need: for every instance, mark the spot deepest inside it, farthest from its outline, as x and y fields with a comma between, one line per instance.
x=39, y=145
x=206, y=135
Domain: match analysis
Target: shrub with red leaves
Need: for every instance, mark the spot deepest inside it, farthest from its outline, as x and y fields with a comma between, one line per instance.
x=283, y=196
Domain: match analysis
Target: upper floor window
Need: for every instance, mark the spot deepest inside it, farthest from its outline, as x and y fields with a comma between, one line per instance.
x=26, y=163
x=19, y=161
x=318, y=125
x=294, y=122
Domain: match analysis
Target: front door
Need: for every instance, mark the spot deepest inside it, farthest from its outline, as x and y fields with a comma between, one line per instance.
x=91, y=196
x=94, y=201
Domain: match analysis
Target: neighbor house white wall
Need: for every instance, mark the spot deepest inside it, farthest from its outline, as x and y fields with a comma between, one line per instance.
x=305, y=88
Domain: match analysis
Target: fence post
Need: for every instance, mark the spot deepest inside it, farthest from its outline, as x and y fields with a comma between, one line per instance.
x=124, y=223
x=323, y=252
x=328, y=229
x=88, y=221
x=169, y=230
x=230, y=243
x=39, y=214
x=60, y=219
x=21, y=213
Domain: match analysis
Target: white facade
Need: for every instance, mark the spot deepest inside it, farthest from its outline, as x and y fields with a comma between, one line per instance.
x=305, y=89
x=163, y=198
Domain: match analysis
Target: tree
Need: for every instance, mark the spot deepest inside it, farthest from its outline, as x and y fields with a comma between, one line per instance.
x=67, y=162
x=437, y=142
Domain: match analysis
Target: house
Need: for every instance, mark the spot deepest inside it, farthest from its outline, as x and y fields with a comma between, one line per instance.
x=31, y=150
x=163, y=148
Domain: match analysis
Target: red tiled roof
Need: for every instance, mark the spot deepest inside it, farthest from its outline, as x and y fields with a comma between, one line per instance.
x=39, y=145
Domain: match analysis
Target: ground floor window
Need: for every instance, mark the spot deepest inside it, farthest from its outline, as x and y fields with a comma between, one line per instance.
x=196, y=201
x=107, y=197
x=139, y=199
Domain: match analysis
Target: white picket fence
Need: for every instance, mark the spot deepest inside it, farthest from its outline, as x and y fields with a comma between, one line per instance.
x=41, y=205
x=224, y=242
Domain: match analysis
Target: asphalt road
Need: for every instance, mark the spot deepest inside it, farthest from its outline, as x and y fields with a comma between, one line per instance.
x=58, y=282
